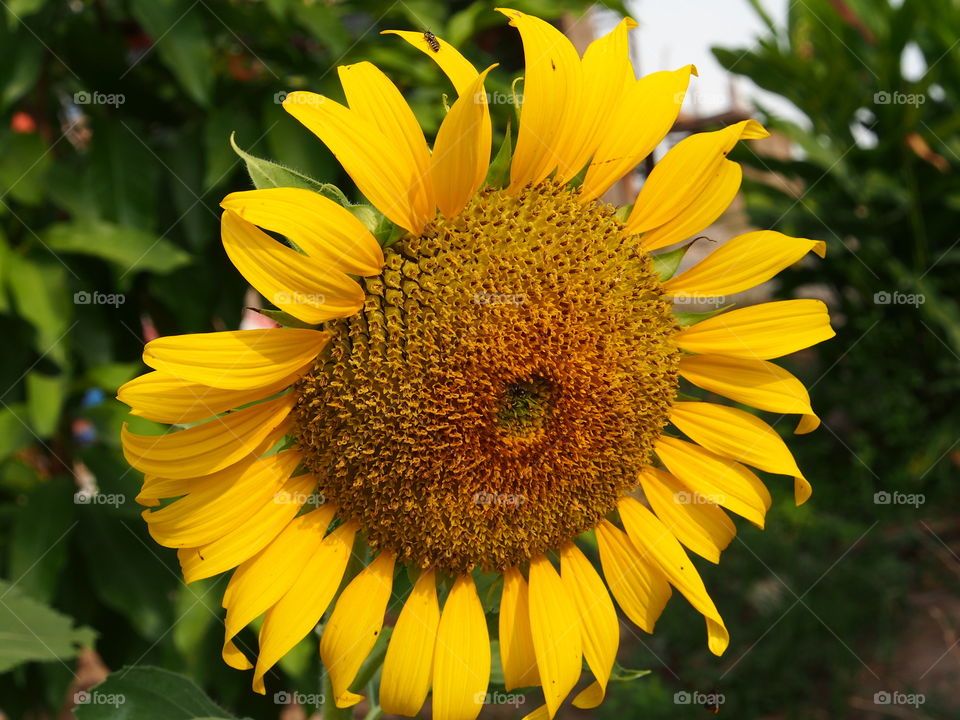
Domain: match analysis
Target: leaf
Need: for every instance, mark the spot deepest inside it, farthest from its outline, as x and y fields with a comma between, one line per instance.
x=24, y=161
x=23, y=72
x=39, y=541
x=125, y=173
x=221, y=124
x=285, y=319
x=14, y=432
x=33, y=632
x=124, y=569
x=111, y=376
x=622, y=674
x=686, y=319
x=149, y=693
x=45, y=396
x=181, y=42
x=268, y=174
x=131, y=249
x=39, y=289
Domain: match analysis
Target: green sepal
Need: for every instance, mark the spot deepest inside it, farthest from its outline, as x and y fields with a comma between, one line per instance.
x=285, y=319
x=622, y=674
x=686, y=319
x=665, y=264
x=498, y=175
x=268, y=174
x=623, y=212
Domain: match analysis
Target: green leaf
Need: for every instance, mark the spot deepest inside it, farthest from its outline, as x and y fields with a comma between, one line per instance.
x=181, y=42
x=148, y=693
x=24, y=161
x=285, y=319
x=14, y=432
x=686, y=319
x=217, y=131
x=665, y=264
x=499, y=173
x=131, y=249
x=125, y=174
x=39, y=541
x=268, y=174
x=111, y=376
x=39, y=289
x=32, y=632
x=23, y=72
x=45, y=396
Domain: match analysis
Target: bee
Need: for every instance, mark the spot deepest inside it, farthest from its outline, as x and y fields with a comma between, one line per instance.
x=431, y=40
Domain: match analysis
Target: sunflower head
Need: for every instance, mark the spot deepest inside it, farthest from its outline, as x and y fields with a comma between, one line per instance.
x=478, y=377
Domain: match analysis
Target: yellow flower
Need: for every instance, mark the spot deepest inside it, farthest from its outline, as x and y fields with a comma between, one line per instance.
x=498, y=390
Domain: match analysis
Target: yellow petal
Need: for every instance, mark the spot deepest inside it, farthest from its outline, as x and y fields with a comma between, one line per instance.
x=659, y=545
x=717, y=479
x=555, y=628
x=301, y=607
x=317, y=225
x=354, y=625
x=517, y=655
x=258, y=583
x=456, y=67
x=372, y=96
x=237, y=359
x=552, y=87
x=683, y=174
x=384, y=176
x=640, y=590
x=607, y=73
x=208, y=514
x=461, y=154
x=741, y=263
x=206, y=448
x=599, y=628
x=461, y=664
x=757, y=383
x=249, y=538
x=709, y=205
x=656, y=98
x=760, y=332
x=408, y=666
x=297, y=284
x=163, y=398
x=736, y=434
x=696, y=522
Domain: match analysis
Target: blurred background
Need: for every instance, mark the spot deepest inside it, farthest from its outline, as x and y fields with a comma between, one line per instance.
x=115, y=117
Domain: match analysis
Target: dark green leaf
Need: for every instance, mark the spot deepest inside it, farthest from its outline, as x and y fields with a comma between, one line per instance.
x=132, y=250
x=268, y=174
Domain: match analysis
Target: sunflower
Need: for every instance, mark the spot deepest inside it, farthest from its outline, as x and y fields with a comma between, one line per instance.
x=490, y=399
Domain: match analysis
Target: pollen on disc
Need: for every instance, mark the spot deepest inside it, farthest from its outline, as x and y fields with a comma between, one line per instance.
x=501, y=388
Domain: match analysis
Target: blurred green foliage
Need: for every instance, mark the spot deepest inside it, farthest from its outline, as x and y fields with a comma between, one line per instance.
x=114, y=152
